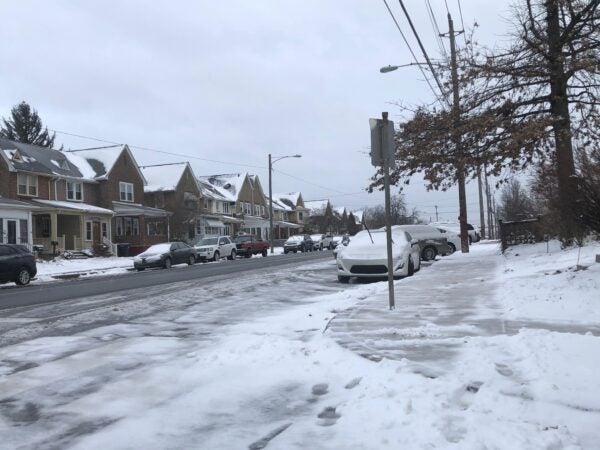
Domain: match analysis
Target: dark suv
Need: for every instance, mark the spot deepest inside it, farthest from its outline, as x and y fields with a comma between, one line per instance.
x=17, y=264
x=302, y=243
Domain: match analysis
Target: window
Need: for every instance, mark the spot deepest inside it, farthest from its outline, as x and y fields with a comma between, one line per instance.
x=154, y=228
x=27, y=185
x=126, y=191
x=262, y=210
x=74, y=191
x=226, y=207
x=246, y=208
x=205, y=203
x=300, y=216
x=88, y=230
x=219, y=207
x=104, y=229
x=257, y=210
x=128, y=226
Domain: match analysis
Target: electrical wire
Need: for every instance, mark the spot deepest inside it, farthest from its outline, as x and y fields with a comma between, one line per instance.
x=435, y=94
x=462, y=23
x=436, y=31
x=414, y=30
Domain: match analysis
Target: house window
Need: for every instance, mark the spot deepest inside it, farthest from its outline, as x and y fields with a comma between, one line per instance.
x=74, y=191
x=300, y=216
x=126, y=191
x=205, y=203
x=88, y=230
x=257, y=210
x=45, y=226
x=219, y=207
x=246, y=208
x=104, y=229
x=23, y=230
x=27, y=185
x=119, y=223
x=128, y=226
x=262, y=210
x=226, y=207
x=154, y=228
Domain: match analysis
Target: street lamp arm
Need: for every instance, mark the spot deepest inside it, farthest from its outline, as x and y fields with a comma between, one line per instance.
x=390, y=68
x=277, y=158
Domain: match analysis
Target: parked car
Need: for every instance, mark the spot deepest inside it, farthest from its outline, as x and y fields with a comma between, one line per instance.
x=248, y=245
x=340, y=244
x=328, y=241
x=336, y=240
x=17, y=264
x=365, y=256
x=452, y=235
x=298, y=243
x=165, y=255
x=474, y=235
x=431, y=240
x=317, y=241
x=215, y=248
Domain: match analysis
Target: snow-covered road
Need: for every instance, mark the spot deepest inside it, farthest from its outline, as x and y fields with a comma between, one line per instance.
x=221, y=366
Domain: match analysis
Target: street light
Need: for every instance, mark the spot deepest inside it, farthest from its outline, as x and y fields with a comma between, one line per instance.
x=271, y=162
x=387, y=69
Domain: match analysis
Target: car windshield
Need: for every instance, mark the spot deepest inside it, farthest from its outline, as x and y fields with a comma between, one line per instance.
x=207, y=241
x=293, y=239
x=240, y=239
x=157, y=248
x=377, y=237
x=315, y=237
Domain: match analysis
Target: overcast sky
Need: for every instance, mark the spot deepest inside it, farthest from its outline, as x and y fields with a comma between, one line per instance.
x=228, y=82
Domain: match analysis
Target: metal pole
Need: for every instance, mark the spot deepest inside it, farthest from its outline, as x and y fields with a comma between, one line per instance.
x=388, y=222
x=270, y=205
x=481, y=209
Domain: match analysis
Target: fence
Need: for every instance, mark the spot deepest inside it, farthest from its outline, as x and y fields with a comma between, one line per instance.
x=528, y=231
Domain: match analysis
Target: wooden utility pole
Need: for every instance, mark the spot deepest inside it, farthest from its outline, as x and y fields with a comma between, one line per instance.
x=460, y=164
x=481, y=210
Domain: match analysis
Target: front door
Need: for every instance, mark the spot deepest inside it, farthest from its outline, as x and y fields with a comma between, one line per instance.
x=11, y=228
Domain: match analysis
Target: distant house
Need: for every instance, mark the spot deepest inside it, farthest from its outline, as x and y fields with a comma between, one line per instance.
x=174, y=187
x=121, y=190
x=235, y=203
x=321, y=217
x=64, y=195
x=289, y=214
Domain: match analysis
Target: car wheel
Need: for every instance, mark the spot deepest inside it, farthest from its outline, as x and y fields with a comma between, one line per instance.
x=330, y=246
x=141, y=269
x=285, y=252
x=264, y=253
x=321, y=247
x=452, y=248
x=343, y=279
x=295, y=251
x=23, y=276
x=167, y=264
x=470, y=240
x=232, y=256
x=428, y=253
x=248, y=253
x=191, y=260
x=411, y=267
x=216, y=256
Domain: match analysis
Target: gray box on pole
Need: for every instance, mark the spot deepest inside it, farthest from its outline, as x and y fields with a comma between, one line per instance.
x=382, y=141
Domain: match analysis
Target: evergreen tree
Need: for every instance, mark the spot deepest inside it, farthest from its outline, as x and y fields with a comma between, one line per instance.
x=26, y=126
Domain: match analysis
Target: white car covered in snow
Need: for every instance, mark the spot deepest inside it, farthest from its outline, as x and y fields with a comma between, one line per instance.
x=365, y=256
x=215, y=248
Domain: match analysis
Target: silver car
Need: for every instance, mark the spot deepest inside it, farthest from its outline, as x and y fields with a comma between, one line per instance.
x=215, y=248
x=365, y=256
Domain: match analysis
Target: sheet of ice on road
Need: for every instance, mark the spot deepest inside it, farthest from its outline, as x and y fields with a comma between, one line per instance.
x=255, y=369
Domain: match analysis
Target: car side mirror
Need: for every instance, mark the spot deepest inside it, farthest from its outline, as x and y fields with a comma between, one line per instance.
x=414, y=241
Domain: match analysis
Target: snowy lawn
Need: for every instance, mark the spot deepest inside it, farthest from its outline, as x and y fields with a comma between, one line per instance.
x=472, y=357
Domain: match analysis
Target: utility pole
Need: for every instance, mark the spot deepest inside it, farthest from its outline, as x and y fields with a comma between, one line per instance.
x=270, y=204
x=488, y=203
x=436, y=214
x=456, y=137
x=388, y=222
x=481, y=210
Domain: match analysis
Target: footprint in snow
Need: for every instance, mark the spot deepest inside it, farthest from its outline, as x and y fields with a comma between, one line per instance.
x=328, y=416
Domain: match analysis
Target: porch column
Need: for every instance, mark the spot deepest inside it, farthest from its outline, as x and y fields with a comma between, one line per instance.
x=53, y=226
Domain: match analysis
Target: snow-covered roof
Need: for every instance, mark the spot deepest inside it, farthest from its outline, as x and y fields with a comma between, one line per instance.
x=101, y=159
x=280, y=205
x=76, y=206
x=291, y=199
x=316, y=206
x=163, y=177
x=43, y=160
x=340, y=210
x=358, y=216
x=226, y=186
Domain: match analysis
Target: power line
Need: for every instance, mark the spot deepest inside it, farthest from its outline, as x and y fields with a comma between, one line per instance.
x=411, y=51
x=436, y=30
x=462, y=23
x=414, y=30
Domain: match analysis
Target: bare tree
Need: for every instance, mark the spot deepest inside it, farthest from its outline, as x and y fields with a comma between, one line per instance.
x=515, y=202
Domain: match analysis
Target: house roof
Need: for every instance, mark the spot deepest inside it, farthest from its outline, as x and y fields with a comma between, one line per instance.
x=358, y=216
x=137, y=209
x=75, y=206
x=15, y=204
x=340, y=210
x=292, y=197
x=163, y=177
x=42, y=160
x=101, y=160
x=223, y=187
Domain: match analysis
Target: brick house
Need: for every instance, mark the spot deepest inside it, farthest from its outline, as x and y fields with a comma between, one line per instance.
x=242, y=197
x=321, y=217
x=173, y=187
x=64, y=198
x=120, y=188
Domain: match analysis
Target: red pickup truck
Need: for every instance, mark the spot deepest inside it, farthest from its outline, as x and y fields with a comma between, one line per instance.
x=248, y=245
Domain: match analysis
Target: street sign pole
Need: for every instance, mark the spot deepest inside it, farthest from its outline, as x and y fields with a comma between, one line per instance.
x=382, y=154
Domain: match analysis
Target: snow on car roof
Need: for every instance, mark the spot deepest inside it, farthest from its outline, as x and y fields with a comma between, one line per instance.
x=158, y=248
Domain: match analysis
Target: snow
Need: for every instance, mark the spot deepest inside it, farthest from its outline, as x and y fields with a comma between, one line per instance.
x=228, y=186
x=106, y=155
x=75, y=206
x=163, y=177
x=472, y=357
x=47, y=270
x=82, y=164
x=316, y=206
